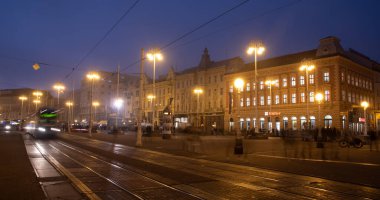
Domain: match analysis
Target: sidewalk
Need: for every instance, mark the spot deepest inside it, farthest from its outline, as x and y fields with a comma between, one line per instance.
x=18, y=180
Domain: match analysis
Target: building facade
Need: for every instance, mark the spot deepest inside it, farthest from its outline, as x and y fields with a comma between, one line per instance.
x=344, y=78
x=12, y=108
x=104, y=92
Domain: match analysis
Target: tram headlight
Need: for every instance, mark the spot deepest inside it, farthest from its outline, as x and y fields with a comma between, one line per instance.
x=7, y=127
x=42, y=129
x=55, y=129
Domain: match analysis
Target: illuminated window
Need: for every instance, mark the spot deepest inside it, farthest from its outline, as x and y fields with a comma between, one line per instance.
x=277, y=99
x=269, y=100
x=327, y=95
x=262, y=100
x=284, y=82
x=285, y=99
x=248, y=102
x=302, y=97
x=241, y=102
x=293, y=81
x=311, y=95
x=261, y=85
x=302, y=80
x=294, y=98
x=311, y=78
x=254, y=101
x=326, y=77
x=248, y=87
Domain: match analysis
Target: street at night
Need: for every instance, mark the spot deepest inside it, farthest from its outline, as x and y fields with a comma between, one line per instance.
x=213, y=99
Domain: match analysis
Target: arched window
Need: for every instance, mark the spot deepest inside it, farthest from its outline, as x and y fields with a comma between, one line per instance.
x=286, y=122
x=343, y=121
x=262, y=123
x=248, y=125
x=303, y=122
x=328, y=121
x=312, y=122
x=294, y=123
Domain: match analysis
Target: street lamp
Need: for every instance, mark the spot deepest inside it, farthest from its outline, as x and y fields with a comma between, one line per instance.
x=198, y=91
x=69, y=104
x=22, y=98
x=154, y=55
x=118, y=103
x=365, y=105
x=238, y=83
x=307, y=66
x=270, y=83
x=91, y=76
x=255, y=48
x=36, y=101
x=38, y=94
x=59, y=87
x=318, y=98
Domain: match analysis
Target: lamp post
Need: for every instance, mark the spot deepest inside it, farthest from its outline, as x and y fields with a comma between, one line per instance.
x=307, y=66
x=198, y=91
x=69, y=104
x=238, y=83
x=255, y=48
x=365, y=105
x=59, y=87
x=95, y=104
x=36, y=101
x=118, y=103
x=22, y=98
x=38, y=94
x=154, y=55
x=91, y=76
x=319, y=97
x=270, y=83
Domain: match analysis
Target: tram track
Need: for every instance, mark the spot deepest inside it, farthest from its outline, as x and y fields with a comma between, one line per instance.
x=135, y=194
x=309, y=185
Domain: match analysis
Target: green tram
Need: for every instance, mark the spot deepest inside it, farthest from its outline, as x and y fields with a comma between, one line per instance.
x=45, y=123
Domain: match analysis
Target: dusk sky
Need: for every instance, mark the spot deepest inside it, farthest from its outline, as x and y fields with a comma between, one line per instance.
x=61, y=33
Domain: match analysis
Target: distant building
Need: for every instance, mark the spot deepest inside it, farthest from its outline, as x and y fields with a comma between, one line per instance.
x=105, y=92
x=10, y=104
x=344, y=77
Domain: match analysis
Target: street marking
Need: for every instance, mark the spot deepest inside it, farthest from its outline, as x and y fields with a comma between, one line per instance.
x=318, y=160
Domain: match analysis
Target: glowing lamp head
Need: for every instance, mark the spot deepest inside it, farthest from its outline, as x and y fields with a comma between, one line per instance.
x=258, y=48
x=364, y=104
x=95, y=104
x=69, y=103
x=154, y=55
x=198, y=91
x=319, y=97
x=93, y=76
x=22, y=98
x=239, y=83
x=118, y=103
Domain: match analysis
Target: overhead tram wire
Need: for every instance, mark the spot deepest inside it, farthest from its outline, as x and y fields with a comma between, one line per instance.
x=191, y=31
x=242, y=22
x=102, y=39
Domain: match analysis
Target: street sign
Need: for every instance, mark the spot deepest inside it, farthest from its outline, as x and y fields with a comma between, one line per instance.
x=361, y=119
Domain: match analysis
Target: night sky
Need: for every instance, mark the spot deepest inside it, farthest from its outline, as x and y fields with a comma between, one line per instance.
x=61, y=33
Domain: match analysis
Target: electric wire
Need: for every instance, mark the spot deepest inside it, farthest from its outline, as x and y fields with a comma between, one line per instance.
x=103, y=38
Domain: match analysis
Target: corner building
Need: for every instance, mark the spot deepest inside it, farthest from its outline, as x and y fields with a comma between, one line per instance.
x=344, y=77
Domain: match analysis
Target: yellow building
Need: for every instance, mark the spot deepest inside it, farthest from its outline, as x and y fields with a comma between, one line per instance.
x=345, y=78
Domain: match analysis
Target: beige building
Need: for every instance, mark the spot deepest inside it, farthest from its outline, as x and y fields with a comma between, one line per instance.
x=12, y=108
x=206, y=111
x=105, y=92
x=344, y=77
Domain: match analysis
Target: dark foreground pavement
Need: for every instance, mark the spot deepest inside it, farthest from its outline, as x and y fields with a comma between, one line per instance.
x=17, y=177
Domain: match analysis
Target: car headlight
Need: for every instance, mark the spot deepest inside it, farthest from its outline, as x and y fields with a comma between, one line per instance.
x=7, y=127
x=42, y=129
